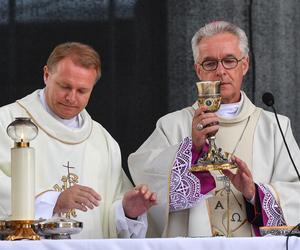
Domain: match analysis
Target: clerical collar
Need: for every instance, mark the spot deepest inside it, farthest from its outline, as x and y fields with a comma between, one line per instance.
x=75, y=122
x=230, y=110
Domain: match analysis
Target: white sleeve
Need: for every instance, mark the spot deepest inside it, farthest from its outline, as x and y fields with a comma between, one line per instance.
x=44, y=204
x=127, y=227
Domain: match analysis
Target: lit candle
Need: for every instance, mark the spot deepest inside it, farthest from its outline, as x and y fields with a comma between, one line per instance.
x=22, y=130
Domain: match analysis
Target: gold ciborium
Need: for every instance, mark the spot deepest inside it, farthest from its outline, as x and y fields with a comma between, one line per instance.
x=209, y=95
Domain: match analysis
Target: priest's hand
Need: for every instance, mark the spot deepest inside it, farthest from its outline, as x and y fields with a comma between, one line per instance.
x=137, y=201
x=77, y=197
x=203, y=124
x=242, y=179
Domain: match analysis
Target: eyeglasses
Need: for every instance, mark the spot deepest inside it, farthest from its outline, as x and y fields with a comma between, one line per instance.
x=227, y=62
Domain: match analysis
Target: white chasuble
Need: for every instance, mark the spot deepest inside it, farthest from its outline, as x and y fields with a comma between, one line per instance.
x=257, y=141
x=228, y=206
x=66, y=156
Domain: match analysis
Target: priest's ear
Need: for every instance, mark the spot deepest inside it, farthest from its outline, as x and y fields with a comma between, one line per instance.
x=197, y=69
x=245, y=65
x=46, y=74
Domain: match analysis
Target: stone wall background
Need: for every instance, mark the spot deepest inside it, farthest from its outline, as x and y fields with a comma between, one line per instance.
x=146, y=54
x=273, y=30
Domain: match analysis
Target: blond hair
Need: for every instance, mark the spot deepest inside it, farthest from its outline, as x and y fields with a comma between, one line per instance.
x=80, y=54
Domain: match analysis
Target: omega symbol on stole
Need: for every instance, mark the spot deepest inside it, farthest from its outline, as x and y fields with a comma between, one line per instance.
x=67, y=181
x=229, y=216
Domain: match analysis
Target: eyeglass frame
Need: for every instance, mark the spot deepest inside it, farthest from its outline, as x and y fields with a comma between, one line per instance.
x=221, y=61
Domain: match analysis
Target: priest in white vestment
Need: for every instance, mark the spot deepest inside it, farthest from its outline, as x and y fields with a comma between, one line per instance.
x=78, y=164
x=264, y=189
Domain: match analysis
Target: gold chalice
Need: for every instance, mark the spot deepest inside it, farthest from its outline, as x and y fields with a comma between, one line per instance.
x=209, y=95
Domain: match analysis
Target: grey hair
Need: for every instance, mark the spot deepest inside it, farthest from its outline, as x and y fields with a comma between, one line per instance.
x=218, y=27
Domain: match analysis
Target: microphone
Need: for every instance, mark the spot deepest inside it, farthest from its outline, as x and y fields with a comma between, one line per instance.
x=268, y=99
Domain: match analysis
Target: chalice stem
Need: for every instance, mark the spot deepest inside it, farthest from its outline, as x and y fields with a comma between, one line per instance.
x=211, y=142
x=212, y=148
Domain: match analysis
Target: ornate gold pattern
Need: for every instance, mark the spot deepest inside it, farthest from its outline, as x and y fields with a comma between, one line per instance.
x=212, y=102
x=209, y=95
x=210, y=167
x=68, y=181
x=22, y=229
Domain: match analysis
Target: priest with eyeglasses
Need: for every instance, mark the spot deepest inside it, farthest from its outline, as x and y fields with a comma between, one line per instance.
x=263, y=189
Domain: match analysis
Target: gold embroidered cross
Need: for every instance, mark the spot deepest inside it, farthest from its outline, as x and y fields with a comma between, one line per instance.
x=67, y=181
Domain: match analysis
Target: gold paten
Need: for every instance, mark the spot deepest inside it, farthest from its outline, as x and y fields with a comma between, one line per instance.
x=198, y=168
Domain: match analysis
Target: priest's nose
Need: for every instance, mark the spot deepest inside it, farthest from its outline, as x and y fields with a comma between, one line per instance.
x=71, y=96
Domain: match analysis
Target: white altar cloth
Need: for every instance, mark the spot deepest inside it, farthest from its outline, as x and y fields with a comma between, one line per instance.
x=257, y=243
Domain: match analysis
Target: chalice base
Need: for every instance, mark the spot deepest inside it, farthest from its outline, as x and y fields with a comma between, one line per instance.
x=214, y=159
x=210, y=167
x=22, y=229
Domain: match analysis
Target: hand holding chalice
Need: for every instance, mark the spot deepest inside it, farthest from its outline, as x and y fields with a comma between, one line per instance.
x=209, y=95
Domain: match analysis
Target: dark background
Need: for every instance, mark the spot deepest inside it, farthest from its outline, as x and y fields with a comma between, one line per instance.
x=147, y=64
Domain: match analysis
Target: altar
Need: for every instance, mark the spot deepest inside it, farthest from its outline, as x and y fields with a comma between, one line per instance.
x=255, y=243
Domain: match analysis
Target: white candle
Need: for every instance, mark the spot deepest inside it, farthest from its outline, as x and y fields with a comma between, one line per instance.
x=23, y=179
